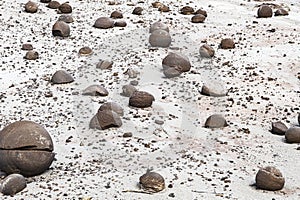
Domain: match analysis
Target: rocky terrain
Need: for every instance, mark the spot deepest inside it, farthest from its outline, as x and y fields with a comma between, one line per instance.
x=260, y=74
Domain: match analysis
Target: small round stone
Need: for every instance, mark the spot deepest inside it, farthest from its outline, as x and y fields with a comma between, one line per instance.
x=264, y=11
x=199, y=18
x=269, y=178
x=187, y=10
x=31, y=55
x=61, y=77
x=202, y=12
x=31, y=7
x=112, y=106
x=160, y=38
x=53, y=4
x=95, y=90
x=137, y=11
x=158, y=26
x=178, y=61
x=116, y=14
x=281, y=12
x=108, y=119
x=104, y=23
x=215, y=121
x=27, y=47
x=279, y=128
x=61, y=28
x=65, y=8
x=128, y=90
x=120, y=23
x=227, y=43
x=12, y=184
x=141, y=99
x=104, y=64
x=85, y=51
x=292, y=135
x=152, y=181
x=206, y=51
x=66, y=18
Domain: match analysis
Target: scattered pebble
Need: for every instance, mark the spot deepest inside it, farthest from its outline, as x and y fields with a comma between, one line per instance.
x=85, y=51
x=141, y=99
x=61, y=76
x=269, y=178
x=12, y=184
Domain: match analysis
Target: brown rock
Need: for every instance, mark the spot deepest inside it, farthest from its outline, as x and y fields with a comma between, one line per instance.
x=152, y=181
x=141, y=99
x=53, y=4
x=108, y=119
x=104, y=64
x=104, y=23
x=61, y=28
x=94, y=123
x=292, y=135
x=12, y=184
x=128, y=90
x=269, y=178
x=112, y=106
x=281, y=12
x=27, y=47
x=158, y=26
x=179, y=62
x=187, y=10
x=95, y=90
x=65, y=8
x=61, y=77
x=120, y=23
x=31, y=55
x=164, y=8
x=227, y=43
x=137, y=11
x=66, y=18
x=198, y=18
x=279, y=128
x=215, y=121
x=160, y=38
x=264, y=11
x=202, y=12
x=116, y=15
x=25, y=148
x=31, y=7
x=156, y=4
x=206, y=51
x=85, y=51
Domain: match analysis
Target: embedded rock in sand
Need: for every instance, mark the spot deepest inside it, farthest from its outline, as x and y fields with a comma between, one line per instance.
x=215, y=121
x=12, y=184
x=160, y=38
x=61, y=76
x=104, y=23
x=269, y=178
x=95, y=90
x=141, y=99
x=152, y=182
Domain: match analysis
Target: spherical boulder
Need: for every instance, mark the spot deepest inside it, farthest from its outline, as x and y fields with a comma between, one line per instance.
x=31, y=7
x=264, y=11
x=160, y=38
x=269, y=178
x=152, y=182
x=26, y=148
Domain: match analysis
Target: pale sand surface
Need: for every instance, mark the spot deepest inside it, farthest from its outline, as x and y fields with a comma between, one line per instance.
x=102, y=164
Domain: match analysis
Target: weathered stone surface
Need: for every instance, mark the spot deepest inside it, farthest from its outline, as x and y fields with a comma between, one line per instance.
x=178, y=61
x=160, y=38
x=108, y=119
x=12, y=184
x=61, y=28
x=104, y=23
x=152, y=181
x=279, y=128
x=95, y=90
x=61, y=76
x=292, y=135
x=141, y=99
x=269, y=178
x=264, y=11
x=215, y=121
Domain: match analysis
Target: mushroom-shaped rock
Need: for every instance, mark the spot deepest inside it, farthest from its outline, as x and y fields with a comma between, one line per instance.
x=66, y=18
x=187, y=10
x=61, y=76
x=85, y=51
x=65, y=8
x=213, y=89
x=292, y=135
x=269, y=178
x=31, y=55
x=61, y=28
x=104, y=23
x=152, y=182
x=31, y=7
x=215, y=121
x=25, y=148
x=108, y=119
x=158, y=26
x=206, y=51
x=128, y=90
x=264, y=11
x=227, y=43
x=112, y=106
x=104, y=64
x=160, y=38
x=141, y=99
x=53, y=4
x=95, y=90
x=199, y=18
x=178, y=61
x=279, y=128
x=12, y=184
x=281, y=12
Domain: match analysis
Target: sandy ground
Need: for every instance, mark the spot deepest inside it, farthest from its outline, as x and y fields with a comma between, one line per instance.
x=197, y=163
